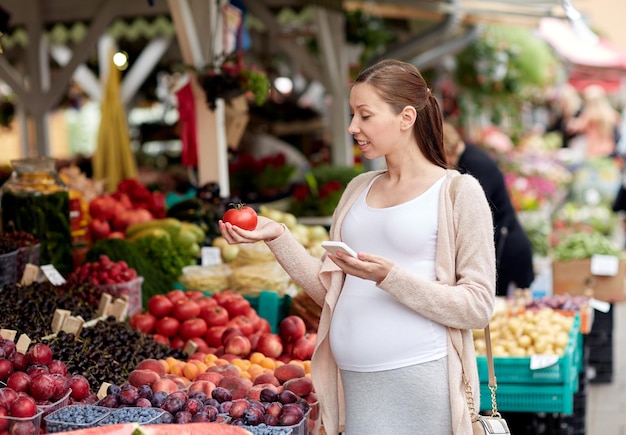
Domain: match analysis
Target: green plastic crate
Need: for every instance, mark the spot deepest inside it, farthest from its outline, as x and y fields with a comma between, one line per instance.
x=550, y=398
x=271, y=307
x=520, y=389
x=516, y=370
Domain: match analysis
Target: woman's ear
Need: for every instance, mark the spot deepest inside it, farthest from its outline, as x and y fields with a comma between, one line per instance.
x=408, y=117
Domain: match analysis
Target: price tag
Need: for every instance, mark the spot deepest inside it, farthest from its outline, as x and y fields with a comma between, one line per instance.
x=211, y=255
x=603, y=307
x=52, y=274
x=604, y=265
x=542, y=361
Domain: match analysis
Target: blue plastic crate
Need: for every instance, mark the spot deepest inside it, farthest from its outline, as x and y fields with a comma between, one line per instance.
x=271, y=307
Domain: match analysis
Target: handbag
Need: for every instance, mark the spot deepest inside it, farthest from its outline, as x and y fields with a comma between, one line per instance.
x=492, y=424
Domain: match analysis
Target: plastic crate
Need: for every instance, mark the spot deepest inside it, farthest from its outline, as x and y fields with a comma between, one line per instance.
x=301, y=428
x=75, y=417
x=49, y=409
x=516, y=370
x=130, y=290
x=8, y=268
x=271, y=307
x=24, y=426
x=556, y=398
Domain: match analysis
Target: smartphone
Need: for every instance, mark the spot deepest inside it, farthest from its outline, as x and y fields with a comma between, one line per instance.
x=333, y=247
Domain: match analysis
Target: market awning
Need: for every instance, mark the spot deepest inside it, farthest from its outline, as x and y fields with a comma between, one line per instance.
x=578, y=50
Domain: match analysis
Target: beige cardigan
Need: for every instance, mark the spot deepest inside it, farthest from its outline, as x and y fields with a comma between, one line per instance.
x=462, y=298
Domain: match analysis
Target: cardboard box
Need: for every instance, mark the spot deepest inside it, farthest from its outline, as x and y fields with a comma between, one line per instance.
x=574, y=277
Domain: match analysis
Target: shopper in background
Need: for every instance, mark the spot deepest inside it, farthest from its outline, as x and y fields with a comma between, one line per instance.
x=513, y=248
x=395, y=328
x=597, y=126
x=566, y=105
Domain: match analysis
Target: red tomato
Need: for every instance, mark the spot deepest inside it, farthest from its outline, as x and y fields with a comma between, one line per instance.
x=224, y=295
x=236, y=306
x=206, y=302
x=161, y=339
x=243, y=323
x=167, y=326
x=160, y=306
x=185, y=309
x=143, y=322
x=176, y=295
x=192, y=328
x=215, y=316
x=213, y=336
x=242, y=216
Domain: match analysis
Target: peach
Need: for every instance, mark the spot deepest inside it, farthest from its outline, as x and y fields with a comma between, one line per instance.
x=301, y=386
x=285, y=372
x=205, y=386
x=211, y=376
x=237, y=345
x=152, y=364
x=224, y=369
x=291, y=328
x=254, y=393
x=303, y=347
x=139, y=377
x=181, y=381
x=165, y=384
x=237, y=386
x=270, y=345
x=267, y=378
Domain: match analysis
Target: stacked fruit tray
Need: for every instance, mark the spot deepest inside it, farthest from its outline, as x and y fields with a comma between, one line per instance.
x=524, y=388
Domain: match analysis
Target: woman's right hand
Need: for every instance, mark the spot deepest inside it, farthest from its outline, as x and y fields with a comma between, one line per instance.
x=266, y=230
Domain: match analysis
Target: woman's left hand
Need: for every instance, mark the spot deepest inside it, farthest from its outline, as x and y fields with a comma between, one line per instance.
x=366, y=266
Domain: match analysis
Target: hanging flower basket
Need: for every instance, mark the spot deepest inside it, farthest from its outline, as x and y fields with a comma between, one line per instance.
x=232, y=79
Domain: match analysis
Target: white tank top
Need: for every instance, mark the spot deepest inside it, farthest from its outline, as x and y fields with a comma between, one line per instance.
x=370, y=329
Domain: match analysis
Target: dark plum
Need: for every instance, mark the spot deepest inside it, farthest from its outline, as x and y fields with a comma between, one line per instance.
x=192, y=405
x=253, y=416
x=145, y=391
x=268, y=395
x=183, y=417
x=109, y=401
x=173, y=404
x=211, y=411
x=225, y=407
x=287, y=396
x=221, y=394
x=158, y=398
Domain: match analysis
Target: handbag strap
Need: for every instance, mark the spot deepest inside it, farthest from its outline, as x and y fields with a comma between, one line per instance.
x=493, y=385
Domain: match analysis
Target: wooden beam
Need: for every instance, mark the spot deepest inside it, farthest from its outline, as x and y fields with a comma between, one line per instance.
x=88, y=81
x=145, y=63
x=105, y=14
x=308, y=64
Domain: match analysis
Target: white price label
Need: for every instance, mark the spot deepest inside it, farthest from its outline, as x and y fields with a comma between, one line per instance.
x=211, y=255
x=52, y=274
x=542, y=361
x=603, y=307
x=604, y=265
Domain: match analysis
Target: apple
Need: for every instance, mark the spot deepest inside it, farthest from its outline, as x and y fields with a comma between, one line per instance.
x=291, y=328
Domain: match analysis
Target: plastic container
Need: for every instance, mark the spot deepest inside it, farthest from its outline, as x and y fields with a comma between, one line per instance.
x=130, y=290
x=75, y=417
x=22, y=426
x=301, y=428
x=8, y=268
x=35, y=199
x=49, y=409
x=136, y=415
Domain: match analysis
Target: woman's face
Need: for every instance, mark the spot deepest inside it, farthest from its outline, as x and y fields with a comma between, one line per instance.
x=375, y=127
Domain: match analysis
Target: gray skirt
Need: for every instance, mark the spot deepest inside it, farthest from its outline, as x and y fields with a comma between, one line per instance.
x=411, y=400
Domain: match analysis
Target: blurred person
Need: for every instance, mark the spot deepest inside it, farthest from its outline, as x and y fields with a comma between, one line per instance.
x=597, y=126
x=513, y=248
x=395, y=351
x=567, y=105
